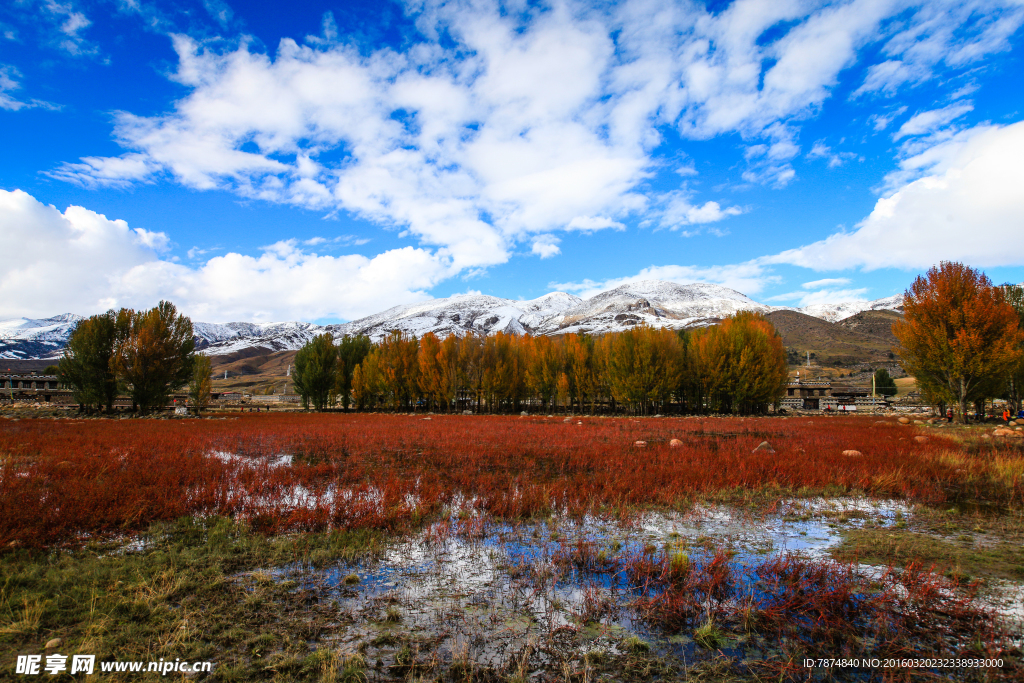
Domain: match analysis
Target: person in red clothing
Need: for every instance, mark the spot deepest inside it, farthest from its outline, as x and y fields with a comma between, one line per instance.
x=1006, y=415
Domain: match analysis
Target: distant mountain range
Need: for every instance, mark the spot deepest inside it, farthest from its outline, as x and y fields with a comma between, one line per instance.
x=655, y=302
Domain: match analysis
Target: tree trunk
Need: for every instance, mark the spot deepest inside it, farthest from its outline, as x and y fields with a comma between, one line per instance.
x=963, y=401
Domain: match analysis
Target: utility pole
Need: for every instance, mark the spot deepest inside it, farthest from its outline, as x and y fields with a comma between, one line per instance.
x=808, y=359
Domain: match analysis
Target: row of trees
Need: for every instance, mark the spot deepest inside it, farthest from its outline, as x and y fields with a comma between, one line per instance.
x=963, y=338
x=146, y=354
x=737, y=366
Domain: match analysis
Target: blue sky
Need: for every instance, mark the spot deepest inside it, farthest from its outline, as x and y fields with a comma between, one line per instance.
x=330, y=160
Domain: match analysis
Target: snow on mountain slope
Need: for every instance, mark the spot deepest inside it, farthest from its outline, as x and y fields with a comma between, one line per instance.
x=655, y=302
x=843, y=310
x=219, y=338
x=25, y=338
x=460, y=314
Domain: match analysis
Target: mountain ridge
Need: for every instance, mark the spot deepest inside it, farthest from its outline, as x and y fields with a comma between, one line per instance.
x=655, y=302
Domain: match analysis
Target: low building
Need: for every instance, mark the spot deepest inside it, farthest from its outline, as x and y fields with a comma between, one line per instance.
x=806, y=394
x=22, y=387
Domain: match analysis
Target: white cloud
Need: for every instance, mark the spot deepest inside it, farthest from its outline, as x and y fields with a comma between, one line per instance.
x=546, y=246
x=930, y=121
x=881, y=121
x=8, y=83
x=592, y=223
x=964, y=205
x=517, y=125
x=219, y=11
x=679, y=212
x=68, y=22
x=80, y=261
x=827, y=282
x=822, y=151
x=827, y=295
x=935, y=34
x=119, y=171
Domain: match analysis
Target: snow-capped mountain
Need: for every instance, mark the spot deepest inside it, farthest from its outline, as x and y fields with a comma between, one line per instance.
x=25, y=338
x=841, y=311
x=462, y=314
x=218, y=338
x=655, y=302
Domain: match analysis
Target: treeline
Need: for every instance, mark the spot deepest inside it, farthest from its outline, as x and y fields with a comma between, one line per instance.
x=738, y=366
x=144, y=354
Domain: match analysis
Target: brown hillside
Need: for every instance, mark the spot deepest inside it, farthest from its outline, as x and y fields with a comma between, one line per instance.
x=876, y=323
x=251, y=369
x=831, y=344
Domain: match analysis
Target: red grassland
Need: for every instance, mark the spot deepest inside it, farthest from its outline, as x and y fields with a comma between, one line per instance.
x=59, y=479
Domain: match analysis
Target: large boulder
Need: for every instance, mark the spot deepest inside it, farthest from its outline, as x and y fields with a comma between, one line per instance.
x=764, y=447
x=640, y=444
x=904, y=420
x=675, y=443
x=852, y=453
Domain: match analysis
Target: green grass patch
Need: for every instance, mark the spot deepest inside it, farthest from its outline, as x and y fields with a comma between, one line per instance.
x=963, y=557
x=193, y=592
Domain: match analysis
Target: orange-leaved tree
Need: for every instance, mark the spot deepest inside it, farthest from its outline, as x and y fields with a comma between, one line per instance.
x=959, y=337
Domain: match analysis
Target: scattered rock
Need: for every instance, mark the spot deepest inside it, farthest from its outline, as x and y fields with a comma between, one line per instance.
x=764, y=446
x=523, y=414
x=428, y=418
x=580, y=422
x=640, y=444
x=675, y=443
x=52, y=643
x=986, y=436
x=904, y=420
x=852, y=453
x=567, y=420
x=919, y=422
x=1013, y=423
x=921, y=439
x=467, y=412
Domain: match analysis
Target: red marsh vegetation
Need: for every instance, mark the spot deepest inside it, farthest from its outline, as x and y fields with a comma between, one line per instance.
x=62, y=478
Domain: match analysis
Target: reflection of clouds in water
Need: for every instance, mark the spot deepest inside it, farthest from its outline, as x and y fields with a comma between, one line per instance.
x=478, y=580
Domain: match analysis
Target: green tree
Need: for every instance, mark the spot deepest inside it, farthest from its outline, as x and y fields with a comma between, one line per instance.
x=314, y=376
x=154, y=353
x=885, y=385
x=201, y=383
x=86, y=366
x=351, y=352
x=737, y=366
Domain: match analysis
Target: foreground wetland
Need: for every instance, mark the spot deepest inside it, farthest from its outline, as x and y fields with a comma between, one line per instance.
x=452, y=548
